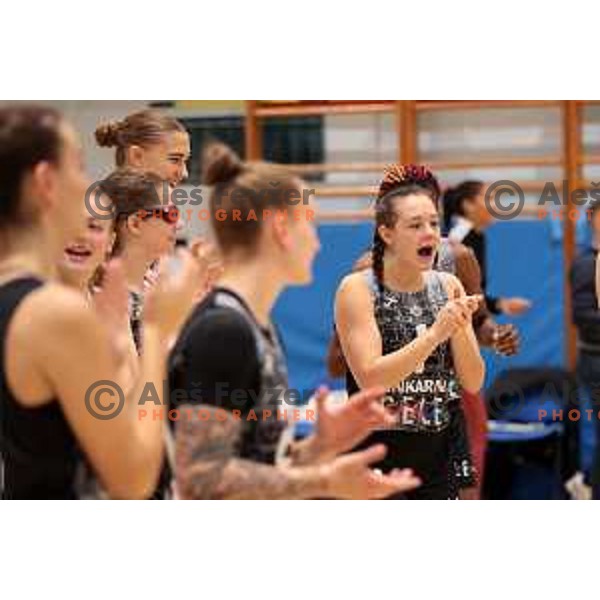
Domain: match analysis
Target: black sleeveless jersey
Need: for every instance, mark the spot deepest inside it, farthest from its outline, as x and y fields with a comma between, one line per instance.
x=39, y=453
x=429, y=435
x=225, y=358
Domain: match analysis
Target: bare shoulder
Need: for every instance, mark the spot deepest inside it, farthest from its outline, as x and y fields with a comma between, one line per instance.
x=56, y=308
x=60, y=301
x=354, y=297
x=354, y=283
x=52, y=321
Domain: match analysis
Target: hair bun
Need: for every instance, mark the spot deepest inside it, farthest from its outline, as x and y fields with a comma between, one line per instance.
x=107, y=134
x=220, y=164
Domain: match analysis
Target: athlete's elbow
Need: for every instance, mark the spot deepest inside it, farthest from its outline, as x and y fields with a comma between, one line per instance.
x=135, y=486
x=369, y=378
x=472, y=388
x=131, y=491
x=473, y=381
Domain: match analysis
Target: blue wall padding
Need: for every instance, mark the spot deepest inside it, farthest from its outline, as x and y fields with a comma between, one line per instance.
x=305, y=314
x=525, y=259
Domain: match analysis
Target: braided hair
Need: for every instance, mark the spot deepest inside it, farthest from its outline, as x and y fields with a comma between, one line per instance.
x=398, y=181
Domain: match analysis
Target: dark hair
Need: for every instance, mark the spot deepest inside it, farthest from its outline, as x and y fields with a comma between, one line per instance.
x=29, y=135
x=398, y=181
x=255, y=185
x=131, y=191
x=143, y=128
x=454, y=199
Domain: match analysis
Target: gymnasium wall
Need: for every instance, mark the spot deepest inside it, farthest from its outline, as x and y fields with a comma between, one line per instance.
x=85, y=115
x=525, y=259
x=525, y=256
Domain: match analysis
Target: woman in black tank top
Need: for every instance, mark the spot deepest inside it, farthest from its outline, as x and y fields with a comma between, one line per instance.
x=229, y=366
x=408, y=328
x=54, y=347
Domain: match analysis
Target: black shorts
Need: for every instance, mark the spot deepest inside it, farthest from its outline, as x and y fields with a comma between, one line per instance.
x=427, y=454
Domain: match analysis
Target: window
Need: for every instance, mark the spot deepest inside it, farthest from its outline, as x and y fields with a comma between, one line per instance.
x=296, y=140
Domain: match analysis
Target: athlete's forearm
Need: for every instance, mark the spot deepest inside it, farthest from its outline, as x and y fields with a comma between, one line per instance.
x=242, y=479
x=147, y=435
x=390, y=369
x=309, y=451
x=207, y=467
x=468, y=363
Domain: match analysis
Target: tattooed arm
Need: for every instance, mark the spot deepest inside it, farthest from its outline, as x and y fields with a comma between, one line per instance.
x=207, y=468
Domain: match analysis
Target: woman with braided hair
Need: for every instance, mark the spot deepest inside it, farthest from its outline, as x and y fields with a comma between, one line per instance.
x=461, y=261
x=408, y=328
